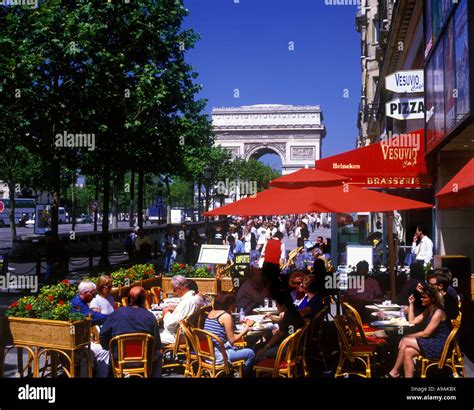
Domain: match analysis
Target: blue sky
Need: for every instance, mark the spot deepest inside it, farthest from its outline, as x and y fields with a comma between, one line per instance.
x=245, y=45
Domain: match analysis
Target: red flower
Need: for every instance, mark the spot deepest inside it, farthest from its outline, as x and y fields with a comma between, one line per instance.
x=50, y=297
x=182, y=265
x=28, y=306
x=65, y=281
x=61, y=302
x=14, y=304
x=209, y=268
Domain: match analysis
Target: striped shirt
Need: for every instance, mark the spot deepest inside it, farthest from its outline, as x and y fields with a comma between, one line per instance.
x=213, y=326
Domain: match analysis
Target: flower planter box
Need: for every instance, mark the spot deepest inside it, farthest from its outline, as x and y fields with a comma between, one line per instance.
x=149, y=283
x=54, y=334
x=205, y=285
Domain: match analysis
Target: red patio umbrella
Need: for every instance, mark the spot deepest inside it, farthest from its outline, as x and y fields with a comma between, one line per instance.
x=342, y=198
x=308, y=177
x=459, y=191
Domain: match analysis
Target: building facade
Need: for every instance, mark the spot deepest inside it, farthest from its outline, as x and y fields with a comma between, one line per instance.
x=294, y=133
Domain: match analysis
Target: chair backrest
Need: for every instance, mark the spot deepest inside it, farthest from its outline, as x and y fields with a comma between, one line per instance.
x=450, y=343
x=288, y=350
x=205, y=344
x=187, y=331
x=156, y=293
x=203, y=313
x=345, y=335
x=315, y=329
x=347, y=307
x=353, y=320
x=134, y=353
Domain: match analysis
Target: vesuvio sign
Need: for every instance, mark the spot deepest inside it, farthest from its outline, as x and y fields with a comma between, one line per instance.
x=395, y=162
x=401, y=82
x=406, y=108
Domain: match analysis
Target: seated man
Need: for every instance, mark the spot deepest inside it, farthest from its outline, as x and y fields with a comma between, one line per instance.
x=134, y=319
x=187, y=305
x=369, y=288
x=450, y=298
x=86, y=292
x=252, y=292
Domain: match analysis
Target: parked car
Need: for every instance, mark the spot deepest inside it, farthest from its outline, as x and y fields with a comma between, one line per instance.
x=84, y=219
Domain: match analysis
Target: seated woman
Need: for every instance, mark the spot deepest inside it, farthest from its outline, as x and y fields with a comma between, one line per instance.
x=103, y=302
x=295, y=283
x=289, y=323
x=220, y=323
x=312, y=302
x=430, y=341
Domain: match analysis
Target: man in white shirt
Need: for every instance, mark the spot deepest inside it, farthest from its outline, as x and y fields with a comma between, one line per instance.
x=185, y=308
x=422, y=246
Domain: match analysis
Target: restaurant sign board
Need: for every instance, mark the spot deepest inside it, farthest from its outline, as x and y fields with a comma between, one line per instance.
x=406, y=108
x=403, y=82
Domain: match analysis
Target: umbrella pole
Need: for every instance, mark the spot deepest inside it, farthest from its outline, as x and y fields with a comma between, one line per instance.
x=391, y=257
x=334, y=254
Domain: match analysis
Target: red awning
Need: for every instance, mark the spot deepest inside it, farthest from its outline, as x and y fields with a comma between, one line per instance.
x=398, y=162
x=342, y=198
x=308, y=177
x=459, y=191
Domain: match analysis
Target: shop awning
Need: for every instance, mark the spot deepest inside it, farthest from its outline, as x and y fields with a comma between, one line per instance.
x=308, y=177
x=459, y=191
x=342, y=198
x=398, y=162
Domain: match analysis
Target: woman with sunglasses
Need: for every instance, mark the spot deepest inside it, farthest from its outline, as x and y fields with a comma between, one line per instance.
x=103, y=301
x=430, y=341
x=295, y=283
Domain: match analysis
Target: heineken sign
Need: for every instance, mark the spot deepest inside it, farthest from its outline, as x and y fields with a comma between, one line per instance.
x=406, y=108
x=405, y=82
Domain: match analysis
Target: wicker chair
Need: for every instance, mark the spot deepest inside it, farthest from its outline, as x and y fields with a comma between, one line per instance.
x=207, y=361
x=175, y=350
x=134, y=351
x=351, y=351
x=191, y=349
x=156, y=294
x=286, y=360
x=450, y=356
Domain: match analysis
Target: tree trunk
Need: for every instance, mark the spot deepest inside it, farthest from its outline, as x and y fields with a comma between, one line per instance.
x=115, y=188
x=11, y=214
x=104, y=252
x=73, y=202
x=199, y=201
x=132, y=198
x=56, y=188
x=140, y=199
x=96, y=210
x=169, y=205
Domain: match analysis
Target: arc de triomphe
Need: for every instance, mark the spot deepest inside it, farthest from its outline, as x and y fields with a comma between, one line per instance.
x=292, y=132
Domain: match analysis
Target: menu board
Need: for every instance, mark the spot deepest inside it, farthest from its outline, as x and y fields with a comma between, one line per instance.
x=214, y=254
x=241, y=265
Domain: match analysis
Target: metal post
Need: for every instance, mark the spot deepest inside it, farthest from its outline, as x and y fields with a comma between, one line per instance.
x=91, y=259
x=334, y=240
x=391, y=258
x=384, y=239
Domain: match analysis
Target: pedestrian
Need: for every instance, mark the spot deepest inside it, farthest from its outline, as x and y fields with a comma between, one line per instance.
x=422, y=246
x=55, y=255
x=171, y=246
x=274, y=256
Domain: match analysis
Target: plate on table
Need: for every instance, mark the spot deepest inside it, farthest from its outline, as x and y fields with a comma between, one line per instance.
x=266, y=310
x=381, y=306
x=394, y=322
x=393, y=313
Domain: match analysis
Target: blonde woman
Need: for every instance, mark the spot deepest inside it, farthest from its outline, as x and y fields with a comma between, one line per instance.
x=103, y=301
